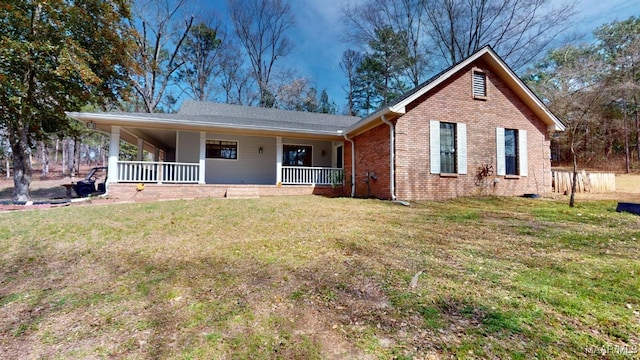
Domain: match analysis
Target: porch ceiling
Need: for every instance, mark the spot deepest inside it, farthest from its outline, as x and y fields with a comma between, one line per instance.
x=160, y=138
x=164, y=139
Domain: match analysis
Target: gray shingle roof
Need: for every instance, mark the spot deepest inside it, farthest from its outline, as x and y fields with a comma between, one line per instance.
x=256, y=116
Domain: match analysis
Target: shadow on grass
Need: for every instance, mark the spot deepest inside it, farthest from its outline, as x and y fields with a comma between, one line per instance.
x=54, y=192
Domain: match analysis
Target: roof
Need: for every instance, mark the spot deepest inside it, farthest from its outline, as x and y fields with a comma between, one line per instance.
x=258, y=115
x=209, y=116
x=398, y=107
x=196, y=115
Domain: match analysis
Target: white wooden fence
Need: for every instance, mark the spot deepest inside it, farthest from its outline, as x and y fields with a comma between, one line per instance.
x=593, y=182
x=185, y=173
x=302, y=175
x=157, y=172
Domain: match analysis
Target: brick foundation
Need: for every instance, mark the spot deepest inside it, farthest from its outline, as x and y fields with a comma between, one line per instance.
x=155, y=192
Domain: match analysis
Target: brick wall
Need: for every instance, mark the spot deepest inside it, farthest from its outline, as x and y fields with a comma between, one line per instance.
x=372, y=156
x=452, y=101
x=155, y=192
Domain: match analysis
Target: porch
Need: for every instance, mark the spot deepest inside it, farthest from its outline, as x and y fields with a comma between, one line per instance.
x=160, y=172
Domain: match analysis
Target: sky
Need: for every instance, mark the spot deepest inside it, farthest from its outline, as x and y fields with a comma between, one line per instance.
x=319, y=26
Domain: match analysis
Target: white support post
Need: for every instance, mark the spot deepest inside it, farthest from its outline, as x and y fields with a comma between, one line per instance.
x=114, y=152
x=140, y=149
x=203, y=154
x=278, y=160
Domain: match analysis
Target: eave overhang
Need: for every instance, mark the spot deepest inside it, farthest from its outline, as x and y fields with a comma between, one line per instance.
x=104, y=121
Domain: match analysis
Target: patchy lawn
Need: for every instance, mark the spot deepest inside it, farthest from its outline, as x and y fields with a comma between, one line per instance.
x=310, y=277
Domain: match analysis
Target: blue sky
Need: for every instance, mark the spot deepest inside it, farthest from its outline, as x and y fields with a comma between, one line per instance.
x=319, y=28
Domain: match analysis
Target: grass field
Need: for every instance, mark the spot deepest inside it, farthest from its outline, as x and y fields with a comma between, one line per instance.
x=313, y=278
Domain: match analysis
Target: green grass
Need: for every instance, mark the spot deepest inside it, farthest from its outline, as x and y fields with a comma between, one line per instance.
x=315, y=278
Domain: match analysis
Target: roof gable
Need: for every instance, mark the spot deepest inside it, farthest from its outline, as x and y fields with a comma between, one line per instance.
x=487, y=54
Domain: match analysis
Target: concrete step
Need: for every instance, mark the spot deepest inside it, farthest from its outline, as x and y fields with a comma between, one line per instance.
x=242, y=193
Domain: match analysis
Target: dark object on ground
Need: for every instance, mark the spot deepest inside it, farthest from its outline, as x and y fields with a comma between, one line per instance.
x=531, y=196
x=87, y=186
x=628, y=207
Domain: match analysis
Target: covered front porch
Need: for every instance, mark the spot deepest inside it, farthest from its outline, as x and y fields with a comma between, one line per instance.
x=190, y=157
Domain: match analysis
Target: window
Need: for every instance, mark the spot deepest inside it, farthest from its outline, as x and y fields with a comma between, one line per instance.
x=511, y=151
x=511, y=157
x=479, y=85
x=448, y=148
x=222, y=149
x=296, y=155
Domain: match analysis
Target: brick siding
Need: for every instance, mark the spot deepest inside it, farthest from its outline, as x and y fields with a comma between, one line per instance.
x=372, y=156
x=155, y=192
x=452, y=101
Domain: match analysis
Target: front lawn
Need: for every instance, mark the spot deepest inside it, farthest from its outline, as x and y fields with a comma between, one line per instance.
x=316, y=278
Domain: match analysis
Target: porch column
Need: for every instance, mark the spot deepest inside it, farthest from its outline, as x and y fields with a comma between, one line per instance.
x=114, y=152
x=203, y=154
x=278, y=160
x=140, y=149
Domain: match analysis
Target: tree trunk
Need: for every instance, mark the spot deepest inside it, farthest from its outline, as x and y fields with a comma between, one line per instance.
x=635, y=113
x=64, y=157
x=70, y=158
x=45, y=159
x=627, y=157
x=8, y=161
x=76, y=154
x=22, y=169
x=574, y=180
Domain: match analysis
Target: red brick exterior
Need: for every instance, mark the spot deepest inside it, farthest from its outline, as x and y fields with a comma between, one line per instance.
x=372, y=157
x=155, y=192
x=452, y=101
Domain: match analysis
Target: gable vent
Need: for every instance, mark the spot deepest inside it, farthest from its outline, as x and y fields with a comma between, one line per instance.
x=479, y=84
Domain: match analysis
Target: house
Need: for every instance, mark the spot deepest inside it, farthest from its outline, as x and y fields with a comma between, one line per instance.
x=475, y=128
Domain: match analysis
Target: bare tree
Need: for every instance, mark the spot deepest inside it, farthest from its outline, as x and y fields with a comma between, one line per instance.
x=292, y=95
x=569, y=80
x=201, y=54
x=261, y=26
x=158, y=39
x=351, y=60
x=403, y=16
x=519, y=30
x=234, y=79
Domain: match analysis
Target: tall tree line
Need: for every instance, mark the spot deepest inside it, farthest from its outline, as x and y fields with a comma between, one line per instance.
x=425, y=36
x=200, y=57
x=595, y=89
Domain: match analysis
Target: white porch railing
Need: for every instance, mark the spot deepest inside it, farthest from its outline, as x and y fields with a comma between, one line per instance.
x=300, y=175
x=156, y=172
